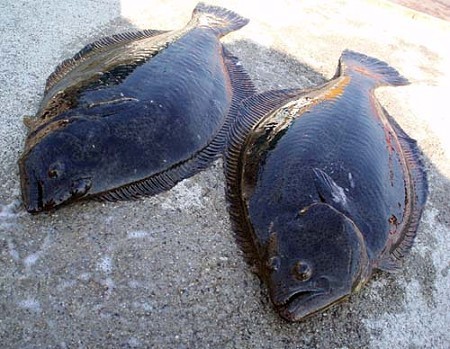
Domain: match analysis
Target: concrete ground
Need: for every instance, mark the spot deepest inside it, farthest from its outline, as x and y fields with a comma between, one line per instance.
x=165, y=272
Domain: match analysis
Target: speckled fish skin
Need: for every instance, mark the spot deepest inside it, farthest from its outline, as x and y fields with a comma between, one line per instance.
x=135, y=113
x=324, y=187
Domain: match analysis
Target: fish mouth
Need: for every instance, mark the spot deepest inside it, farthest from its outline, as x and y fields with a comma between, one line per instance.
x=32, y=194
x=303, y=302
x=35, y=202
x=300, y=304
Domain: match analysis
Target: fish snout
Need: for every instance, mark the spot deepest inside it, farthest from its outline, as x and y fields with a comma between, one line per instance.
x=37, y=197
x=282, y=296
x=33, y=207
x=36, y=201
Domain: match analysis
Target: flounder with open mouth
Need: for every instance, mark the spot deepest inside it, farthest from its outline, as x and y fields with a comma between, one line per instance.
x=324, y=187
x=134, y=113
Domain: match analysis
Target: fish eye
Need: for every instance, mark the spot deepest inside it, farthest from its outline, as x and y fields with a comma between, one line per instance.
x=53, y=173
x=302, y=271
x=55, y=170
x=273, y=263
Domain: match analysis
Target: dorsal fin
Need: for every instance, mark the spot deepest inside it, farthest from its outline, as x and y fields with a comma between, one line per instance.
x=217, y=18
x=417, y=193
x=69, y=64
x=251, y=111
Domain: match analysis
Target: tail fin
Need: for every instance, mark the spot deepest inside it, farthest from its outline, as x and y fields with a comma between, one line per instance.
x=221, y=20
x=379, y=72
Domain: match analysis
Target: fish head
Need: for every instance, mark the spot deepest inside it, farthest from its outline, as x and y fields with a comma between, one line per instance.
x=58, y=169
x=314, y=261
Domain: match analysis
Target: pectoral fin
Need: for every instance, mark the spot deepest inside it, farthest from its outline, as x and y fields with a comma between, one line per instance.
x=329, y=191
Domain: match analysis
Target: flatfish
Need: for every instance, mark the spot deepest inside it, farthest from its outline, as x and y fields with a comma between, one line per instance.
x=133, y=114
x=324, y=187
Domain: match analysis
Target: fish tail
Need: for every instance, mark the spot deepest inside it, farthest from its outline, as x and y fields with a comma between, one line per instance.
x=378, y=72
x=221, y=20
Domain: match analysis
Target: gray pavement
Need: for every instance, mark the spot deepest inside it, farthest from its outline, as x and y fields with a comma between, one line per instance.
x=165, y=272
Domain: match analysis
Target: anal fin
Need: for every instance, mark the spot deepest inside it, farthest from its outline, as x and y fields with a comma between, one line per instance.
x=416, y=192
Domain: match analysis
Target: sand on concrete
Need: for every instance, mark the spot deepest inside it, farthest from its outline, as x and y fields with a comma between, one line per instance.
x=165, y=272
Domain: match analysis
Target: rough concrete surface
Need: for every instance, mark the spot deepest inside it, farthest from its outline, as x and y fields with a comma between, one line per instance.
x=165, y=272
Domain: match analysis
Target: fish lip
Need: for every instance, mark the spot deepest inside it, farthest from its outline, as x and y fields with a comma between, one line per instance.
x=289, y=305
x=299, y=292
x=34, y=209
x=39, y=204
x=292, y=310
x=303, y=304
x=32, y=194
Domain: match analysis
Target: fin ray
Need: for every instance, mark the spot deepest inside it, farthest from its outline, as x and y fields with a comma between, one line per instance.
x=69, y=64
x=373, y=69
x=392, y=258
x=221, y=20
x=251, y=111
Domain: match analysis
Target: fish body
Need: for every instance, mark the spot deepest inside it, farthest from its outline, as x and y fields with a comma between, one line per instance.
x=324, y=187
x=135, y=113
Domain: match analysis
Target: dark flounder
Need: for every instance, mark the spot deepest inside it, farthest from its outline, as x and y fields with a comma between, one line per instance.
x=324, y=187
x=134, y=113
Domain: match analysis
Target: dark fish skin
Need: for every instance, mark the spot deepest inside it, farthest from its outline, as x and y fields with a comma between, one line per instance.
x=135, y=113
x=324, y=187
